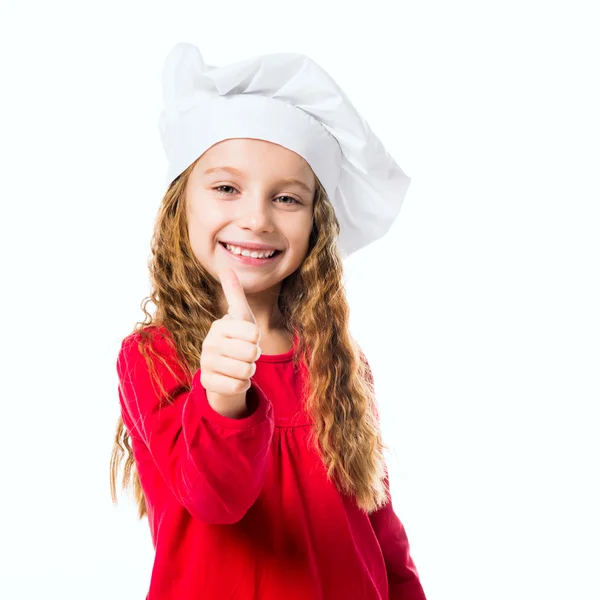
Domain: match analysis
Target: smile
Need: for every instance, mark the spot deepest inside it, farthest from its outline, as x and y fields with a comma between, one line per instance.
x=244, y=258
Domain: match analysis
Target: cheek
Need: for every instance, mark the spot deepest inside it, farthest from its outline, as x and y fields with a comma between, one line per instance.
x=302, y=232
x=299, y=240
x=203, y=229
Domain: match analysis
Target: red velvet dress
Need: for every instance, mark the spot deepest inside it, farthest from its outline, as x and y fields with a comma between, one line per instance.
x=241, y=509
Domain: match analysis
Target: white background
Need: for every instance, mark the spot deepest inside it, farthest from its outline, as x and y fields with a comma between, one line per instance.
x=479, y=311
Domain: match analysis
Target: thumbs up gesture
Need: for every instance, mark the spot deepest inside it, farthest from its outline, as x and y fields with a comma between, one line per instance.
x=229, y=351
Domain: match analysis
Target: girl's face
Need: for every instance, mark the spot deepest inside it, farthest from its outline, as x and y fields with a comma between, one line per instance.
x=267, y=200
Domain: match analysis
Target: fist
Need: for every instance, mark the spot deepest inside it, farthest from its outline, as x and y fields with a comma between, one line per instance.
x=229, y=351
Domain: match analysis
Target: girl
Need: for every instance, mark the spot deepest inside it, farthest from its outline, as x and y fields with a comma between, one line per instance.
x=247, y=408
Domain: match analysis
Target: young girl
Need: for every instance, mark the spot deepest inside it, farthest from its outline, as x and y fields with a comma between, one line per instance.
x=247, y=408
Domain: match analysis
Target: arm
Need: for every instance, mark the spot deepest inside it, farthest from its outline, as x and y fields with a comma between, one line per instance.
x=403, y=577
x=214, y=465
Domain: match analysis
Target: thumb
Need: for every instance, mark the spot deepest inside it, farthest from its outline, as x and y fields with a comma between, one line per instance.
x=235, y=296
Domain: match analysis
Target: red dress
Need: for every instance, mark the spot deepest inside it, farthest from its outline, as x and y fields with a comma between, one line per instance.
x=241, y=509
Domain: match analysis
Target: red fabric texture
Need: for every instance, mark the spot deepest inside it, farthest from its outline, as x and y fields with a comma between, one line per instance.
x=241, y=509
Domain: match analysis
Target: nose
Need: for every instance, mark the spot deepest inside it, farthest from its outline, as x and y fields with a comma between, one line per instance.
x=256, y=214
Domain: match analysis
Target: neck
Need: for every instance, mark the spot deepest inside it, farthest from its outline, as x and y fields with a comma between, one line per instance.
x=265, y=308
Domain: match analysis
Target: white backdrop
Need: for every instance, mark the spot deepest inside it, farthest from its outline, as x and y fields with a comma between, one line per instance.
x=479, y=311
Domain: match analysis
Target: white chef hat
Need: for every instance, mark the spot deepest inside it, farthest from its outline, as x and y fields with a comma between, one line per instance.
x=289, y=100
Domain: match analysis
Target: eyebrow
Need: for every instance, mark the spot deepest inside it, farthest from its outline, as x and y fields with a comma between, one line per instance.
x=234, y=171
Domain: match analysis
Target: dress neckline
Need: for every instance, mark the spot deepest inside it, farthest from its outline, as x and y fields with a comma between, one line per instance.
x=284, y=356
x=273, y=358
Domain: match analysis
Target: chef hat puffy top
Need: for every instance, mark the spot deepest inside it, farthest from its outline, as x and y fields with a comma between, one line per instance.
x=289, y=100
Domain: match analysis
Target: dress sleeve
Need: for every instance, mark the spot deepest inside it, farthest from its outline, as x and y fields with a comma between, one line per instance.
x=403, y=577
x=215, y=466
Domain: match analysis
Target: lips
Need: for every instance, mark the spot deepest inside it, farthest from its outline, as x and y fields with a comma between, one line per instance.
x=249, y=260
x=250, y=245
x=250, y=249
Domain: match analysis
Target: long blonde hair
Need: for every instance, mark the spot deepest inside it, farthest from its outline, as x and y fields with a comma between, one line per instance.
x=341, y=399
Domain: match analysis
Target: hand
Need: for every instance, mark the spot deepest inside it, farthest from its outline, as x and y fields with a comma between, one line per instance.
x=229, y=351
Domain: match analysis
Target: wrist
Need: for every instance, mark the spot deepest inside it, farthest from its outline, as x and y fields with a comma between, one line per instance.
x=232, y=407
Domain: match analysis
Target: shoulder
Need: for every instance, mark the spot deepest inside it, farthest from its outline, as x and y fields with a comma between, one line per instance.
x=153, y=343
x=155, y=336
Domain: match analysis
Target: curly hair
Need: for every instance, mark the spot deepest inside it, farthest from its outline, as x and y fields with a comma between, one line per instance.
x=340, y=401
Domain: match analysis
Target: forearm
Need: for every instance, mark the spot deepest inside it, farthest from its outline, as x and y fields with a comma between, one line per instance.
x=213, y=464
x=226, y=458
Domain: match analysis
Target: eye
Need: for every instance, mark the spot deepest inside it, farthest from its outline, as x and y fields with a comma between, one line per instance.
x=290, y=198
x=219, y=189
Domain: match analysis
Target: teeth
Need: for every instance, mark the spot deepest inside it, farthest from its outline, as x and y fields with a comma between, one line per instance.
x=251, y=253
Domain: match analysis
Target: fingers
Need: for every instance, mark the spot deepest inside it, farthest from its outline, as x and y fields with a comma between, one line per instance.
x=235, y=296
x=240, y=349
x=231, y=367
x=230, y=349
x=223, y=385
x=230, y=327
x=231, y=356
